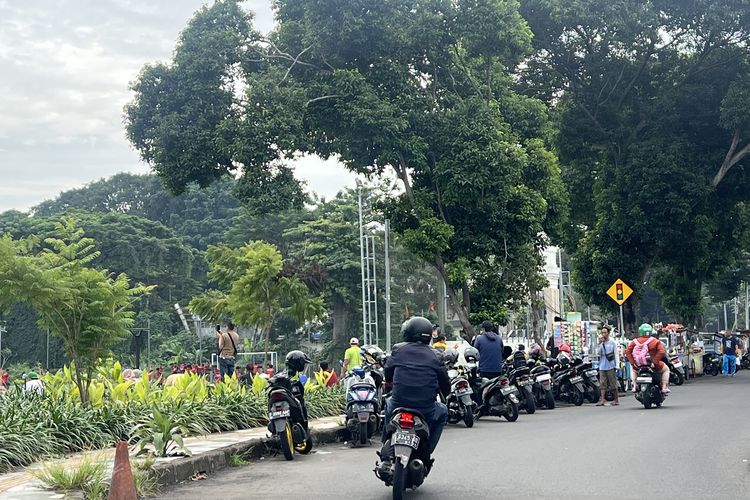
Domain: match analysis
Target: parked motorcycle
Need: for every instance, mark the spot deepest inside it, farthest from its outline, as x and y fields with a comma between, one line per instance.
x=287, y=415
x=648, y=387
x=362, y=406
x=459, y=401
x=676, y=371
x=542, y=387
x=711, y=364
x=405, y=457
x=567, y=383
x=745, y=362
x=590, y=375
x=495, y=397
x=521, y=378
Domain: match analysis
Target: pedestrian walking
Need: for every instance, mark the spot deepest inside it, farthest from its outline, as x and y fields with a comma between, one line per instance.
x=227, y=350
x=729, y=349
x=490, y=347
x=609, y=360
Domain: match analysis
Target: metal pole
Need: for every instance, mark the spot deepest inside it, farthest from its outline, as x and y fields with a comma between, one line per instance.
x=2, y=329
x=375, y=293
x=362, y=261
x=47, y=349
x=736, y=312
x=562, y=294
x=747, y=307
x=387, y=286
x=726, y=321
x=622, y=322
x=148, y=340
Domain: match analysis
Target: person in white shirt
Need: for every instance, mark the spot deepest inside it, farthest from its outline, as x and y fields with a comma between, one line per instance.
x=33, y=384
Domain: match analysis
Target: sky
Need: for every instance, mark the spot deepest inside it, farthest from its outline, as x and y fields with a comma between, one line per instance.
x=65, y=67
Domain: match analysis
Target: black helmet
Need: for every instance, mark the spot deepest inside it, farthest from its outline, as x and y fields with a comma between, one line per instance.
x=450, y=357
x=296, y=360
x=417, y=329
x=471, y=354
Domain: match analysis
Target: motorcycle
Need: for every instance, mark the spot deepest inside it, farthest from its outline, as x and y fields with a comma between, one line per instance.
x=405, y=457
x=648, y=387
x=745, y=362
x=567, y=384
x=542, y=387
x=711, y=364
x=521, y=378
x=591, y=384
x=287, y=415
x=459, y=401
x=676, y=371
x=498, y=398
x=362, y=406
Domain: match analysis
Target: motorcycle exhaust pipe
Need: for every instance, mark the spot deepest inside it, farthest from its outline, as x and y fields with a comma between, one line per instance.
x=416, y=472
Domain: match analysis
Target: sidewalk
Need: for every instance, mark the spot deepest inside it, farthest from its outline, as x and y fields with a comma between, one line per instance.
x=210, y=454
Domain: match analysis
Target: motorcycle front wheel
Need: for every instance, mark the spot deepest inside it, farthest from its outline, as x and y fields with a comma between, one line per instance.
x=576, y=397
x=511, y=414
x=678, y=378
x=363, y=440
x=592, y=394
x=286, y=440
x=530, y=404
x=399, y=480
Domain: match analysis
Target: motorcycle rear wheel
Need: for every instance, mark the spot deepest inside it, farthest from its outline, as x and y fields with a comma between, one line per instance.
x=549, y=400
x=286, y=440
x=592, y=394
x=363, y=439
x=399, y=480
x=576, y=397
x=530, y=404
x=646, y=400
x=678, y=378
x=511, y=415
x=468, y=417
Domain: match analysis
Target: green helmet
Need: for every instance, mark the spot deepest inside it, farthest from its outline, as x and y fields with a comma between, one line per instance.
x=644, y=330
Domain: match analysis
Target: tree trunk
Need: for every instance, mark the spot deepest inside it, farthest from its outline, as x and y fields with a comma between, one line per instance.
x=342, y=311
x=82, y=386
x=266, y=345
x=461, y=309
x=629, y=318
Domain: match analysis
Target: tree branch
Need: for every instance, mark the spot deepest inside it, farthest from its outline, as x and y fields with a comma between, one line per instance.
x=403, y=174
x=296, y=60
x=321, y=98
x=731, y=159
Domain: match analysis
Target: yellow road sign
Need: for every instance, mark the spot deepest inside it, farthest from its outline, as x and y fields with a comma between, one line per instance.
x=619, y=291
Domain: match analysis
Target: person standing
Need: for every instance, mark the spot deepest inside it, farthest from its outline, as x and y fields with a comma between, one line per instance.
x=33, y=384
x=227, y=350
x=729, y=349
x=490, y=347
x=352, y=356
x=609, y=360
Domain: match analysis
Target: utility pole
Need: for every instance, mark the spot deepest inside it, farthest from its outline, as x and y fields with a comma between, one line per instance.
x=362, y=262
x=2, y=330
x=387, y=286
x=747, y=306
x=47, y=367
x=726, y=321
x=562, y=293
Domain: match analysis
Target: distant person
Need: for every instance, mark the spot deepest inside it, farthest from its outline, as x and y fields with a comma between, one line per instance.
x=520, y=357
x=352, y=356
x=326, y=376
x=609, y=361
x=247, y=377
x=227, y=350
x=490, y=347
x=729, y=354
x=270, y=370
x=438, y=339
x=33, y=384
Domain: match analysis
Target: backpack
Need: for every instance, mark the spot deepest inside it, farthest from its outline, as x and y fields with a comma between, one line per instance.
x=640, y=352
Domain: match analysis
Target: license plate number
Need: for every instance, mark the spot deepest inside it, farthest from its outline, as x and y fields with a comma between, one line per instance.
x=525, y=382
x=406, y=439
x=360, y=408
x=644, y=380
x=463, y=392
x=678, y=365
x=591, y=373
x=576, y=380
x=506, y=390
x=279, y=414
x=542, y=378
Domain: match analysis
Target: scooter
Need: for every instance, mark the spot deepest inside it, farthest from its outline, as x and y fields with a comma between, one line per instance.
x=287, y=415
x=591, y=384
x=459, y=401
x=521, y=378
x=498, y=398
x=567, y=384
x=542, y=387
x=676, y=371
x=362, y=406
x=711, y=364
x=648, y=390
x=405, y=458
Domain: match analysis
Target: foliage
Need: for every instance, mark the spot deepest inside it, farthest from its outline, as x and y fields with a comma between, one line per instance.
x=652, y=130
x=88, y=309
x=160, y=436
x=237, y=460
x=88, y=476
x=422, y=89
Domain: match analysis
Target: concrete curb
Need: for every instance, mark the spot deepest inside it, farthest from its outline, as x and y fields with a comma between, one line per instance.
x=183, y=468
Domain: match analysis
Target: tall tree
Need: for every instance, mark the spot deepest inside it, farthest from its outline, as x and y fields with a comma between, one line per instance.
x=421, y=89
x=650, y=127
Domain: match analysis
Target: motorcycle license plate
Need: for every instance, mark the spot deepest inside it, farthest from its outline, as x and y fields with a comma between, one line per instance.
x=506, y=390
x=525, y=382
x=463, y=392
x=678, y=365
x=644, y=380
x=542, y=378
x=576, y=380
x=278, y=414
x=592, y=373
x=406, y=439
x=361, y=408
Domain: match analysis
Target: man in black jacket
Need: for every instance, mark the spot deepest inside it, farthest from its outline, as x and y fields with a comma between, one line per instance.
x=417, y=374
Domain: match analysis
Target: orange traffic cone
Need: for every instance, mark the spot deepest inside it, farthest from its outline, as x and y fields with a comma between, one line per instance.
x=122, y=486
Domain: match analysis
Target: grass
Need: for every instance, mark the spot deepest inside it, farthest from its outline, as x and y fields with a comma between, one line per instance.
x=60, y=477
x=145, y=483
x=237, y=460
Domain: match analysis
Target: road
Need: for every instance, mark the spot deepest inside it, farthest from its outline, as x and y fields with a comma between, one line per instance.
x=695, y=447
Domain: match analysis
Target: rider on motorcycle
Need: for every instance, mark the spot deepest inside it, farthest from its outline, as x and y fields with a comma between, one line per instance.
x=649, y=337
x=417, y=374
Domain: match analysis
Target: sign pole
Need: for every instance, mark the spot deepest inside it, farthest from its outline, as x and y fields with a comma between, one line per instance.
x=622, y=323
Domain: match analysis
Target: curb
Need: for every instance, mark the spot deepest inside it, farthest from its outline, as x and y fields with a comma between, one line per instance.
x=183, y=468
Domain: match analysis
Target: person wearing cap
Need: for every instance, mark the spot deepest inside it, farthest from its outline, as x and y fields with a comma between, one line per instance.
x=33, y=384
x=352, y=356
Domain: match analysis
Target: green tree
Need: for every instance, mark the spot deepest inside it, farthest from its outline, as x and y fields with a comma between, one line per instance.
x=420, y=89
x=257, y=292
x=88, y=309
x=647, y=97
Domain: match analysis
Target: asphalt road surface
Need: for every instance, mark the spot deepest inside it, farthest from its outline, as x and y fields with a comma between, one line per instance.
x=695, y=447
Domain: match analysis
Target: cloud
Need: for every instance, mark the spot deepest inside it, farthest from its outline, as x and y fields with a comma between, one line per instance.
x=66, y=66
